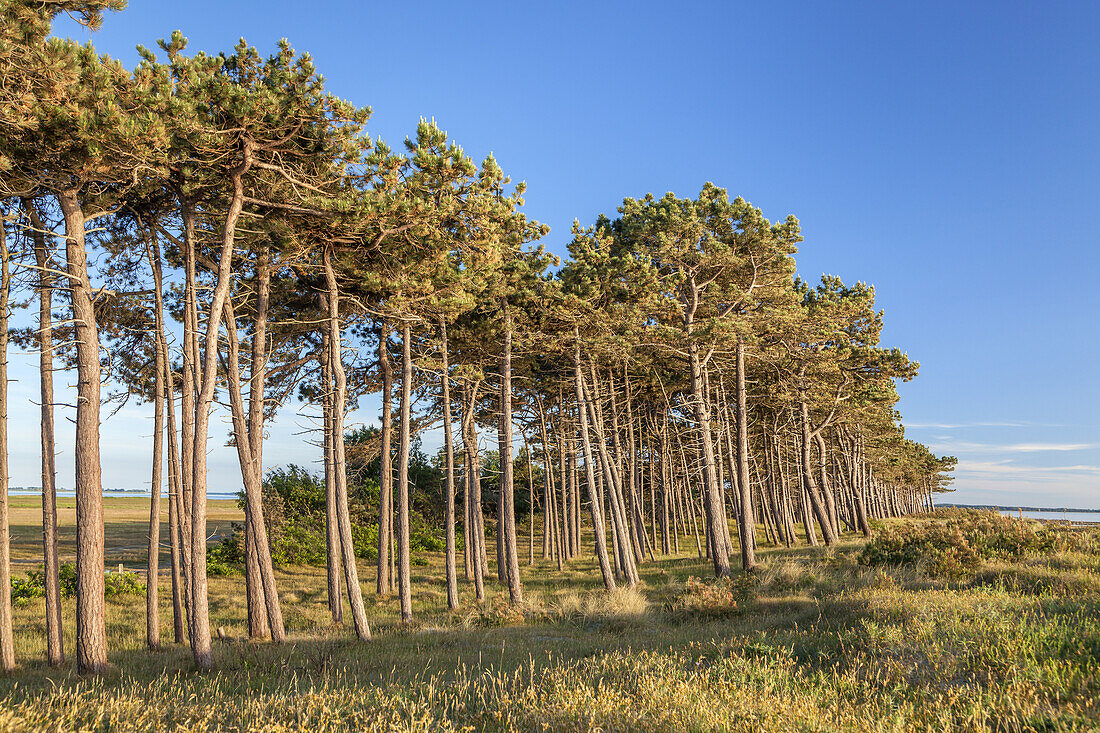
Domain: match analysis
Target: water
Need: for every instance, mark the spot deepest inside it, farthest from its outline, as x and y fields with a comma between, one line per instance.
x=124, y=493
x=1075, y=517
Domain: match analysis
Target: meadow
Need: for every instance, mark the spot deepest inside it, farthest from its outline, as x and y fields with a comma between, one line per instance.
x=817, y=640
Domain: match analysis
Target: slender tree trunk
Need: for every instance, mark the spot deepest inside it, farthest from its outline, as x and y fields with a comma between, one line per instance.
x=55, y=649
x=91, y=611
x=507, y=486
x=201, y=644
x=811, y=483
x=152, y=574
x=404, y=578
x=179, y=615
x=594, y=503
x=340, y=390
x=473, y=509
x=270, y=613
x=333, y=561
x=716, y=515
x=449, y=479
x=385, y=466
x=746, y=524
x=261, y=556
x=7, y=639
x=191, y=380
x=826, y=489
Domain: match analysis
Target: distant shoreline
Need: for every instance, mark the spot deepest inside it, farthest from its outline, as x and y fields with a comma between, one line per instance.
x=1016, y=507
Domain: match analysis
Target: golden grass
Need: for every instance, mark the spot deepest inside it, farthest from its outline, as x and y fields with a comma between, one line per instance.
x=818, y=642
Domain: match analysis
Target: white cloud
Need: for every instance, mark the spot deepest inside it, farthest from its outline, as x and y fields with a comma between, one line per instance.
x=961, y=446
x=955, y=426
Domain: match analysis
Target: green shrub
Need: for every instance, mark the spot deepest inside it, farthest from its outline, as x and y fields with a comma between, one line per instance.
x=299, y=545
x=364, y=538
x=34, y=585
x=122, y=584
x=962, y=542
x=226, y=556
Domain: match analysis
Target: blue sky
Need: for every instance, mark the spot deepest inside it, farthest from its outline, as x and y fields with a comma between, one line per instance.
x=945, y=152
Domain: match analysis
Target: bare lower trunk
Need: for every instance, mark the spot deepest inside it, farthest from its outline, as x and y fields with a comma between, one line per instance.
x=589, y=466
x=404, y=579
x=152, y=569
x=746, y=522
x=717, y=527
x=55, y=649
x=264, y=591
x=333, y=562
x=7, y=640
x=385, y=464
x=91, y=635
x=449, y=478
x=340, y=388
x=179, y=618
x=819, y=509
x=507, y=487
x=473, y=508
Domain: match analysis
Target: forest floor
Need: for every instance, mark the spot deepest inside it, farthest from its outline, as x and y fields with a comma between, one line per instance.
x=814, y=641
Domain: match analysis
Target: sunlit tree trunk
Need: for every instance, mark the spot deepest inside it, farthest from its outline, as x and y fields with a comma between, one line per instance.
x=449, y=468
x=55, y=645
x=7, y=639
x=340, y=390
x=507, y=487
x=589, y=467
x=385, y=466
x=91, y=611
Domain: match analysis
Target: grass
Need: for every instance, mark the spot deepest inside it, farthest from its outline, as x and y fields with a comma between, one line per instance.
x=815, y=641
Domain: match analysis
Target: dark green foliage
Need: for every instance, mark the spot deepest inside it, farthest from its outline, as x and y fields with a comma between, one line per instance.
x=34, y=585
x=294, y=512
x=226, y=556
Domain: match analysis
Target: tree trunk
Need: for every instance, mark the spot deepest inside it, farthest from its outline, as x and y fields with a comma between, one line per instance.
x=404, y=578
x=449, y=479
x=201, y=644
x=340, y=390
x=811, y=483
x=746, y=522
x=594, y=503
x=385, y=466
x=715, y=514
x=152, y=574
x=55, y=647
x=507, y=485
x=91, y=611
x=7, y=639
x=333, y=562
x=263, y=589
x=473, y=508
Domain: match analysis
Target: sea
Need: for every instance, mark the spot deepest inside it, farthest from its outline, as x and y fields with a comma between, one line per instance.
x=123, y=493
x=1055, y=514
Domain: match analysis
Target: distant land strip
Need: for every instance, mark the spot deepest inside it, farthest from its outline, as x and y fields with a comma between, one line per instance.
x=1014, y=508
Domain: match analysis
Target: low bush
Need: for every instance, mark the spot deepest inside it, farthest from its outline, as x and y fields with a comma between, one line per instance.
x=715, y=598
x=34, y=585
x=964, y=541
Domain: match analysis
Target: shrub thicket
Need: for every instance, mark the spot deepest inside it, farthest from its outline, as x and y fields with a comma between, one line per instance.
x=294, y=514
x=34, y=585
x=965, y=539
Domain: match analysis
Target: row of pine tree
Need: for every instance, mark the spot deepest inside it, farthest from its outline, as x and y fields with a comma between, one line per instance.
x=205, y=231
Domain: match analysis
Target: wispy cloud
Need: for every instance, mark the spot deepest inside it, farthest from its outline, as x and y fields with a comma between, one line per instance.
x=1008, y=469
x=962, y=446
x=957, y=425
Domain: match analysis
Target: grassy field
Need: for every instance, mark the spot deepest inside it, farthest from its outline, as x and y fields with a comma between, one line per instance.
x=816, y=641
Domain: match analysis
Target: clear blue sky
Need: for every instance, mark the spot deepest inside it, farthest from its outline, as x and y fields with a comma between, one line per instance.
x=945, y=152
